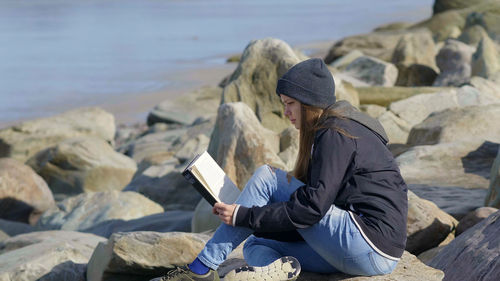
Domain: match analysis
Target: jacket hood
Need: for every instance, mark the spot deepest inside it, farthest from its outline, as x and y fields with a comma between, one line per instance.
x=352, y=113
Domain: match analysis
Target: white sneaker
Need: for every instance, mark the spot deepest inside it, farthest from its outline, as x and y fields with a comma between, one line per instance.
x=285, y=268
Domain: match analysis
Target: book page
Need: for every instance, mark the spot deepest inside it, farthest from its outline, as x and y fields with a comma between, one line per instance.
x=213, y=176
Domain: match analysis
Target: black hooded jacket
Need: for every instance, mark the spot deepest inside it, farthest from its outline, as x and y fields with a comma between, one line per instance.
x=357, y=174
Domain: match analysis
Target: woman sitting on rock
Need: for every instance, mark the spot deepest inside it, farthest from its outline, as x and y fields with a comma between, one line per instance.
x=343, y=211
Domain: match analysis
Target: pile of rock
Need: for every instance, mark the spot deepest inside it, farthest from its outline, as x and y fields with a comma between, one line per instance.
x=81, y=200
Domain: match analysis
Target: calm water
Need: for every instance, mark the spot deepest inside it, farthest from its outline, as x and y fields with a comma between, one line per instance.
x=63, y=53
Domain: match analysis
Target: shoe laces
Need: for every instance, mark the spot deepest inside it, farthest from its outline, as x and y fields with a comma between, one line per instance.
x=173, y=273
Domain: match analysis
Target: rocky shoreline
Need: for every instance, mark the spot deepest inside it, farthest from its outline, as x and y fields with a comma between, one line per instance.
x=84, y=199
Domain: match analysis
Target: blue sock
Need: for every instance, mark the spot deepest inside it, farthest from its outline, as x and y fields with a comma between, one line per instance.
x=198, y=267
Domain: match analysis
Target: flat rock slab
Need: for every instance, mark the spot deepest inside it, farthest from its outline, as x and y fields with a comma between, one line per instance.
x=47, y=256
x=474, y=254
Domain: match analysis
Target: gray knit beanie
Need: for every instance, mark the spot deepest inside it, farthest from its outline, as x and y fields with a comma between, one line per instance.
x=310, y=82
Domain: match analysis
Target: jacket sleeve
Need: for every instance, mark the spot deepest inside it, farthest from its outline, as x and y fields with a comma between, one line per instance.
x=332, y=155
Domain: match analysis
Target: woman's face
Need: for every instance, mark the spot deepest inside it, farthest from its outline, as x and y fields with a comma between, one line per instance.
x=292, y=110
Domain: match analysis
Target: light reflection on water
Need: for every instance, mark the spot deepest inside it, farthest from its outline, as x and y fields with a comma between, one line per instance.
x=60, y=52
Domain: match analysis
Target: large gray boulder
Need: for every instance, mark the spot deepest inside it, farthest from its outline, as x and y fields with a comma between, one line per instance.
x=89, y=209
x=466, y=164
x=415, y=48
x=455, y=176
x=373, y=71
x=186, y=108
x=85, y=164
x=486, y=60
x=467, y=123
x=396, y=128
x=376, y=44
x=165, y=185
x=416, y=109
x=139, y=255
x=153, y=144
x=427, y=224
x=254, y=81
x=24, y=140
x=454, y=62
x=24, y=195
x=240, y=144
x=47, y=256
x=472, y=35
x=493, y=196
x=474, y=254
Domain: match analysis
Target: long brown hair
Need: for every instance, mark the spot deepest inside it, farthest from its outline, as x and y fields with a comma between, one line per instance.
x=312, y=119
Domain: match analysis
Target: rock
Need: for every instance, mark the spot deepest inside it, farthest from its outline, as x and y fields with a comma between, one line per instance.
x=444, y=25
x=415, y=48
x=467, y=123
x=415, y=75
x=487, y=87
x=23, y=194
x=3, y=236
x=445, y=5
x=192, y=148
x=342, y=62
x=427, y=225
x=24, y=140
x=455, y=200
x=385, y=95
x=472, y=35
x=153, y=144
x=344, y=90
x=164, y=222
x=373, y=110
x=455, y=176
x=240, y=144
x=393, y=26
x=165, y=185
x=163, y=158
x=186, y=108
x=493, y=196
x=454, y=61
x=465, y=164
x=89, y=209
x=12, y=228
x=474, y=254
x=486, y=60
x=416, y=109
x=127, y=255
x=51, y=255
x=289, y=147
x=85, y=164
x=203, y=220
x=254, y=81
x=473, y=218
x=373, y=71
x=396, y=128
x=377, y=44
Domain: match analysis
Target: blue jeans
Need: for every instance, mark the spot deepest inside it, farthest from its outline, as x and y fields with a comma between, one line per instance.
x=333, y=244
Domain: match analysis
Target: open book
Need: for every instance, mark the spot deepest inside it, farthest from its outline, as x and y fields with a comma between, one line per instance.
x=210, y=180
